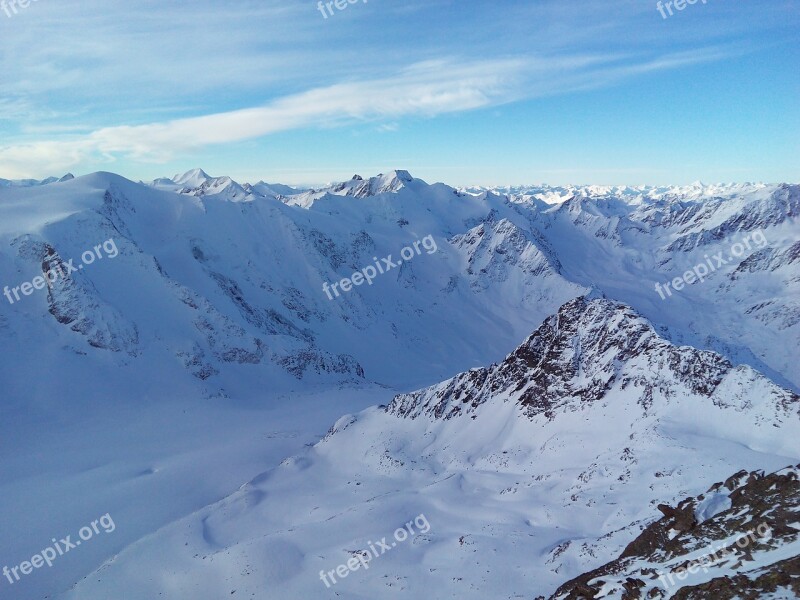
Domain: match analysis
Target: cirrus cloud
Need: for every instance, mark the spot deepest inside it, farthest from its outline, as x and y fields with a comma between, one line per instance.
x=424, y=89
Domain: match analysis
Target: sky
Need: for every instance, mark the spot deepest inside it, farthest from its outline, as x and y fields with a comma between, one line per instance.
x=468, y=92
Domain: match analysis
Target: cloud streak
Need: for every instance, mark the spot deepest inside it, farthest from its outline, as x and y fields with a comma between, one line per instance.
x=425, y=89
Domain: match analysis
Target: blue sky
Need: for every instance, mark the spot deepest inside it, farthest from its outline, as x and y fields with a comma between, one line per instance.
x=465, y=92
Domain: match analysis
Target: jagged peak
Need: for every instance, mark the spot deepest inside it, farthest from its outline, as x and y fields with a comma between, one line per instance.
x=589, y=347
x=393, y=181
x=402, y=175
x=382, y=183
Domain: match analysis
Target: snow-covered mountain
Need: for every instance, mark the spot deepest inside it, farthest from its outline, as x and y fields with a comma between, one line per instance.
x=529, y=472
x=224, y=323
x=217, y=294
x=697, y=191
x=34, y=182
x=585, y=352
x=238, y=274
x=199, y=183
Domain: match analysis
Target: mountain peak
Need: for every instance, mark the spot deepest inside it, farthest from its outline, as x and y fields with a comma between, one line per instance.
x=402, y=175
x=392, y=181
x=382, y=183
x=594, y=348
x=192, y=178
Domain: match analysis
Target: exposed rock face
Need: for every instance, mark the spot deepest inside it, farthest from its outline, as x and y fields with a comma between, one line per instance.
x=738, y=540
x=576, y=357
x=75, y=304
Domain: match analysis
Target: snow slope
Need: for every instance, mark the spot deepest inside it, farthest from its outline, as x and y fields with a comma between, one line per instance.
x=506, y=463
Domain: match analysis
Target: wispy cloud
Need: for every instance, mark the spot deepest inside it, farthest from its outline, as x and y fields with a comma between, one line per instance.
x=424, y=89
x=109, y=82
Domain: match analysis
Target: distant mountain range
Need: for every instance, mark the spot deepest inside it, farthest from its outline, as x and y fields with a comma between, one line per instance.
x=238, y=271
x=34, y=182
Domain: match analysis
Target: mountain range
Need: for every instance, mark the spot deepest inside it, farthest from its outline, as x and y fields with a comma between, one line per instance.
x=544, y=381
